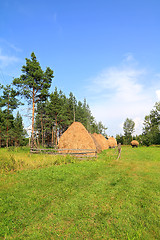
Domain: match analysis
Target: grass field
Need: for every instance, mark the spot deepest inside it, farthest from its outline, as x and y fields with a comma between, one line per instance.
x=91, y=199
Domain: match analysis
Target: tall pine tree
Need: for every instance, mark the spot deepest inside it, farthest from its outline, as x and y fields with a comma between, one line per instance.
x=9, y=102
x=34, y=84
x=19, y=132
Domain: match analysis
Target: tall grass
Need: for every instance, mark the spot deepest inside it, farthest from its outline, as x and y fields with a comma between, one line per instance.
x=15, y=159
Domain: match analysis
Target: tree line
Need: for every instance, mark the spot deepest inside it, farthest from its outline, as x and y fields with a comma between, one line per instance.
x=150, y=132
x=12, y=131
x=52, y=113
x=56, y=114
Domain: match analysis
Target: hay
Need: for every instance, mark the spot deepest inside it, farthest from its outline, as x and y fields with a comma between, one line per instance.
x=134, y=143
x=76, y=137
x=112, y=142
x=98, y=146
x=101, y=140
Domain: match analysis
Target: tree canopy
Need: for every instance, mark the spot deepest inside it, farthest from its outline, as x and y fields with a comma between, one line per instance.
x=151, y=129
x=34, y=83
x=8, y=102
x=59, y=112
x=128, y=128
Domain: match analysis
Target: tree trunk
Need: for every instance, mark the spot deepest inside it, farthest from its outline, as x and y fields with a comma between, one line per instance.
x=11, y=141
x=0, y=139
x=52, y=137
x=56, y=131
x=33, y=105
x=74, y=118
x=7, y=122
x=37, y=139
x=42, y=130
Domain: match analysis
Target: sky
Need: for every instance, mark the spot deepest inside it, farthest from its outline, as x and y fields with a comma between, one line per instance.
x=107, y=51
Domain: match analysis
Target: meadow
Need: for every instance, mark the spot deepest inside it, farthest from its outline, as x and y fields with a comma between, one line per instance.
x=50, y=197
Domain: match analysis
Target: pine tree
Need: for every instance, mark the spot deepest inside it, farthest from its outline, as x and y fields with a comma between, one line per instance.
x=19, y=132
x=57, y=111
x=72, y=105
x=2, y=127
x=102, y=129
x=34, y=84
x=80, y=115
x=128, y=128
x=41, y=120
x=9, y=102
x=151, y=130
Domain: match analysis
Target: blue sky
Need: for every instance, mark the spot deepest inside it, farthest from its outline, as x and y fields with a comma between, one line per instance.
x=107, y=51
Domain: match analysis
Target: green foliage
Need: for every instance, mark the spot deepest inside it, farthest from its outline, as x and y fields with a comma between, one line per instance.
x=8, y=164
x=34, y=82
x=56, y=114
x=120, y=138
x=19, y=132
x=128, y=128
x=151, y=130
x=9, y=98
x=15, y=133
x=101, y=128
x=19, y=158
x=9, y=102
x=2, y=128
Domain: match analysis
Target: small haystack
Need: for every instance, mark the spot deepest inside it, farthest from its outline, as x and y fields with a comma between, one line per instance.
x=101, y=140
x=112, y=142
x=134, y=143
x=76, y=137
x=98, y=146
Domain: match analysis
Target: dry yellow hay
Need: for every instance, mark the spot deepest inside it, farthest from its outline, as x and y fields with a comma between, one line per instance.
x=134, y=143
x=76, y=137
x=98, y=146
x=101, y=140
x=112, y=142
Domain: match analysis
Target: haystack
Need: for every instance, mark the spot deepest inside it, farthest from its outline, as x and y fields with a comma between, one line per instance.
x=76, y=137
x=112, y=142
x=134, y=143
x=98, y=146
x=101, y=140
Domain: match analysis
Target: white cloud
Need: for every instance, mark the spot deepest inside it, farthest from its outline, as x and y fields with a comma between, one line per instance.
x=158, y=94
x=128, y=57
x=121, y=83
x=138, y=125
x=6, y=60
x=10, y=45
x=120, y=92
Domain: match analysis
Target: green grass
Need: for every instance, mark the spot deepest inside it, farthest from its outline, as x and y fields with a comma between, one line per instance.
x=14, y=159
x=96, y=199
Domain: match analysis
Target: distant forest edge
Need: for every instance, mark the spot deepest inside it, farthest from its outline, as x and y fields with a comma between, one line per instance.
x=52, y=117
x=52, y=113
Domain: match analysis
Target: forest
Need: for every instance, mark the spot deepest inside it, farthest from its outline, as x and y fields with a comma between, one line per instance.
x=52, y=117
x=150, y=132
x=53, y=112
